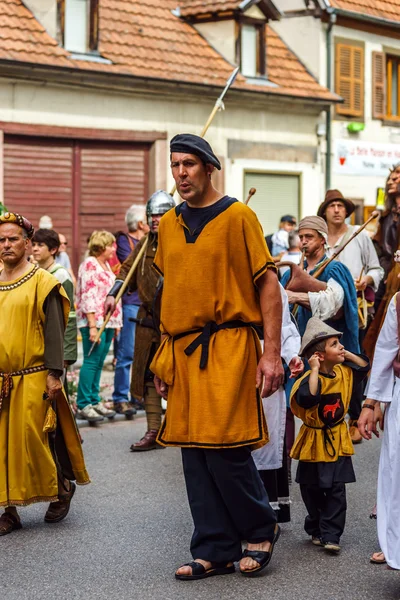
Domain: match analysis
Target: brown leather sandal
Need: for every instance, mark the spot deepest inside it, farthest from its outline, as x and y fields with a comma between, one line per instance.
x=57, y=511
x=9, y=523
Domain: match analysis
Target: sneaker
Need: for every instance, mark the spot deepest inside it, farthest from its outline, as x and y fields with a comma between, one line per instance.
x=90, y=414
x=332, y=547
x=124, y=408
x=355, y=435
x=316, y=541
x=103, y=410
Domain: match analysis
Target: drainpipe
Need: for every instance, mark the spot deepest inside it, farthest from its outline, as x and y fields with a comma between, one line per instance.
x=332, y=21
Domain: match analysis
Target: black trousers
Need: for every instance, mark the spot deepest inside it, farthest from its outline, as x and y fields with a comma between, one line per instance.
x=326, y=511
x=228, y=502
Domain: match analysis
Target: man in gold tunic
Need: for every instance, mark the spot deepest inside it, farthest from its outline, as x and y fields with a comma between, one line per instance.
x=220, y=288
x=40, y=451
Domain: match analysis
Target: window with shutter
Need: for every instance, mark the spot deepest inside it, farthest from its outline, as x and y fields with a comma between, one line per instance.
x=378, y=85
x=349, y=80
x=393, y=87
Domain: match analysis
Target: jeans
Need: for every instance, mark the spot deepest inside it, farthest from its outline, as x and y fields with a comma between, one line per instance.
x=90, y=374
x=126, y=346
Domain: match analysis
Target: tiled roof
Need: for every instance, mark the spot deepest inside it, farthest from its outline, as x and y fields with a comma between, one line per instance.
x=199, y=7
x=144, y=40
x=384, y=9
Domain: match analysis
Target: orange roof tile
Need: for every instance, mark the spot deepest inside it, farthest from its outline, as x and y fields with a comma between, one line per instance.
x=144, y=40
x=384, y=9
x=199, y=7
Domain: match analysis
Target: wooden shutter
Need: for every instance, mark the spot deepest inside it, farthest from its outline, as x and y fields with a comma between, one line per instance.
x=378, y=84
x=350, y=79
x=38, y=180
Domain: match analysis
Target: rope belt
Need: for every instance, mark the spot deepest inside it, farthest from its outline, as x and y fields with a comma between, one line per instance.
x=206, y=332
x=328, y=441
x=7, y=384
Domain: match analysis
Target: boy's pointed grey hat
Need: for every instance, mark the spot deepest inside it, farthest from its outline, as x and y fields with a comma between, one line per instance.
x=316, y=331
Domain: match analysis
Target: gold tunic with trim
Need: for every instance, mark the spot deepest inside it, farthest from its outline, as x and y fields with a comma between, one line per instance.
x=331, y=407
x=211, y=280
x=27, y=469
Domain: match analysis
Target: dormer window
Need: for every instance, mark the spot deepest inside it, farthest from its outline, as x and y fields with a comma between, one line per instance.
x=79, y=25
x=251, y=44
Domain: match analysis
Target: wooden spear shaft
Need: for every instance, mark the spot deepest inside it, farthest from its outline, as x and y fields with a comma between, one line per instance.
x=120, y=293
x=219, y=105
x=336, y=254
x=252, y=191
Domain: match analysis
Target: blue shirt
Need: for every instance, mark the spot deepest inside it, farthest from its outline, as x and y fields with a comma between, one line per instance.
x=123, y=251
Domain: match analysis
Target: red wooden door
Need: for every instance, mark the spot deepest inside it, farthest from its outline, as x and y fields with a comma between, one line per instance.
x=112, y=177
x=38, y=180
x=83, y=186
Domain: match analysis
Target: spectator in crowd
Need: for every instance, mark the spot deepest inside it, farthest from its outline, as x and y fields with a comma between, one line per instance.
x=135, y=219
x=293, y=254
x=45, y=222
x=278, y=242
x=95, y=278
x=62, y=257
x=45, y=245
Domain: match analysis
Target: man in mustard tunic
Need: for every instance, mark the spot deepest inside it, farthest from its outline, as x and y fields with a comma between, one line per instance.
x=220, y=289
x=40, y=451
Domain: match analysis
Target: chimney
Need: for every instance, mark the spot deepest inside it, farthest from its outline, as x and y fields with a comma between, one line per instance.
x=45, y=11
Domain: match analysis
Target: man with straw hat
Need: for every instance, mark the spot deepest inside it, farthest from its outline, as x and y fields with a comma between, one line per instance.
x=320, y=398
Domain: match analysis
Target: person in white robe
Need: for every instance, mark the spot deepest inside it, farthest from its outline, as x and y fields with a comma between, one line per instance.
x=270, y=456
x=384, y=386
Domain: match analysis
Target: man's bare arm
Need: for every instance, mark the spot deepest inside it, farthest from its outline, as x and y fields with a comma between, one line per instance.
x=270, y=366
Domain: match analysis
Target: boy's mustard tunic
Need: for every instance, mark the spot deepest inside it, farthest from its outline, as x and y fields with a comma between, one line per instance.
x=28, y=472
x=210, y=283
x=324, y=435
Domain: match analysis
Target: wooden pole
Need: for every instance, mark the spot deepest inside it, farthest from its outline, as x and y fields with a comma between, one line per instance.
x=252, y=191
x=120, y=293
x=219, y=105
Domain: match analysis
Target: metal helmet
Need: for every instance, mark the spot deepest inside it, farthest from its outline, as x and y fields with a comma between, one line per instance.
x=158, y=204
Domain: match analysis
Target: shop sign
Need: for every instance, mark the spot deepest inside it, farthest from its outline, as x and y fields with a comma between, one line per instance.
x=364, y=158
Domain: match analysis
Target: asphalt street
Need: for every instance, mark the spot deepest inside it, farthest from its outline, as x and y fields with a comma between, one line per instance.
x=130, y=528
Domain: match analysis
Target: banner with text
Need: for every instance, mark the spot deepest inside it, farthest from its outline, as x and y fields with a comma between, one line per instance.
x=364, y=158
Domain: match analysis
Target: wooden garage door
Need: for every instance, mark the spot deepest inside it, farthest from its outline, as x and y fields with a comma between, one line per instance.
x=82, y=186
x=112, y=177
x=38, y=180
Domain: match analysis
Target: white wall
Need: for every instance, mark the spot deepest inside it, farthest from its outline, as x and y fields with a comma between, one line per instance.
x=304, y=36
x=221, y=35
x=74, y=107
x=310, y=177
x=356, y=185
x=45, y=12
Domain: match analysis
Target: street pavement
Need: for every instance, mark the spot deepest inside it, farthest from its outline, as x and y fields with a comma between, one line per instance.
x=128, y=531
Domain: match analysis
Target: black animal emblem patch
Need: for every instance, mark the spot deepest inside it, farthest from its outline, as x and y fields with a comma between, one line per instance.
x=331, y=409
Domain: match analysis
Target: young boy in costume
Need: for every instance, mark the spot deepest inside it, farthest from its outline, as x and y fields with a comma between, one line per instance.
x=320, y=398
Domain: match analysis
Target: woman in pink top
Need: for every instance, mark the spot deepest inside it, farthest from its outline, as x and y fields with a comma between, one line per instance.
x=95, y=278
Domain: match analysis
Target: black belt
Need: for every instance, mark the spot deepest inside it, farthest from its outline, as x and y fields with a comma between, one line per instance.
x=206, y=332
x=328, y=440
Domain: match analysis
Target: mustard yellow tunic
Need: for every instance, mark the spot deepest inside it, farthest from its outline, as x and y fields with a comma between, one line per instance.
x=211, y=280
x=27, y=470
x=312, y=444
